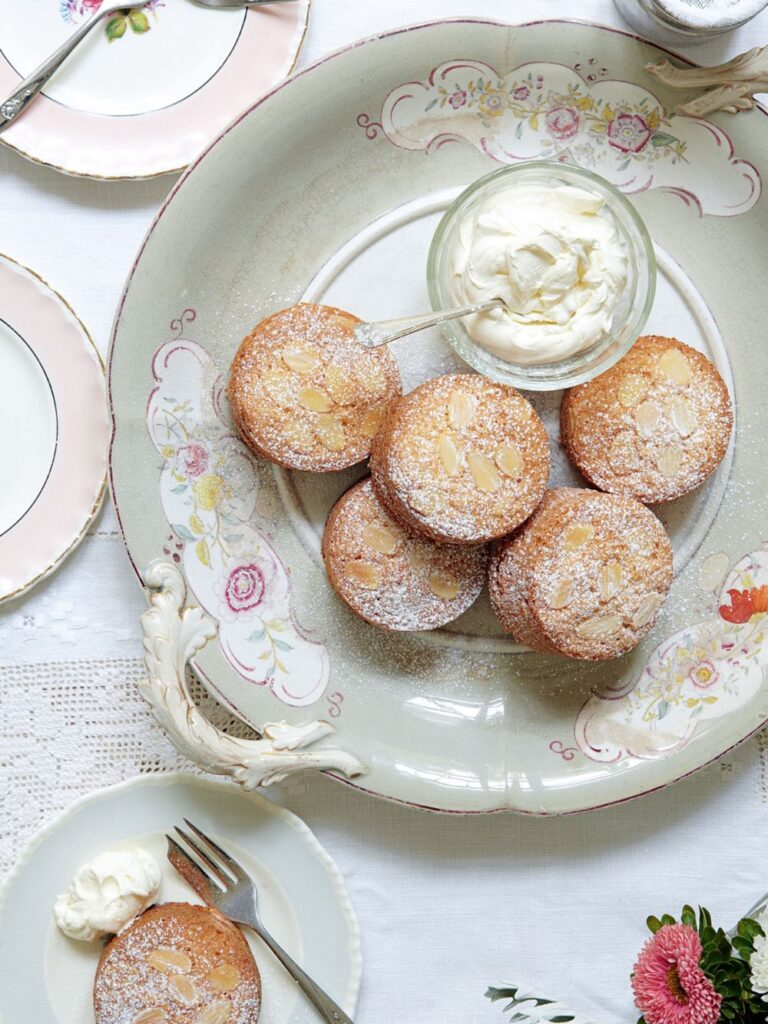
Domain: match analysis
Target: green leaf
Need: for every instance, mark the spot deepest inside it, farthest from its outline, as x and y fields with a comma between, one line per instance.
x=139, y=22
x=116, y=27
x=667, y=919
x=688, y=915
x=182, y=531
x=281, y=644
x=653, y=924
x=257, y=636
x=662, y=139
x=179, y=489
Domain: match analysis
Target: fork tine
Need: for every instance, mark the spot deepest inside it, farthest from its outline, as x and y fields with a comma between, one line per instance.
x=231, y=864
x=225, y=879
x=203, y=884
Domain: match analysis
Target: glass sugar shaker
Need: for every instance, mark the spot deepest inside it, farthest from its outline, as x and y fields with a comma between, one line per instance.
x=687, y=21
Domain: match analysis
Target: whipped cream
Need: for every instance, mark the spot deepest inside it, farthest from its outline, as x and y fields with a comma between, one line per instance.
x=107, y=894
x=552, y=256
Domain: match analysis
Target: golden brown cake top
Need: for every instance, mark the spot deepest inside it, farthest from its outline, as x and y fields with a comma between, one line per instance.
x=392, y=578
x=462, y=458
x=585, y=576
x=305, y=394
x=178, y=964
x=655, y=425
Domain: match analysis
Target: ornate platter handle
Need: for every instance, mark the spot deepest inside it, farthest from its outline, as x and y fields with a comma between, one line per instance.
x=733, y=84
x=173, y=634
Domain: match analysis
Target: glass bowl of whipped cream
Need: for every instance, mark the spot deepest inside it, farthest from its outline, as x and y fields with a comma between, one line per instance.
x=569, y=256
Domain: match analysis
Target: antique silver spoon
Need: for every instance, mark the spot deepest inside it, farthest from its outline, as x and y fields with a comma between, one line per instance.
x=382, y=332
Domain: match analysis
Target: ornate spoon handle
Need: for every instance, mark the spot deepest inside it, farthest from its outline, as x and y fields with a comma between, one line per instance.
x=382, y=332
x=34, y=83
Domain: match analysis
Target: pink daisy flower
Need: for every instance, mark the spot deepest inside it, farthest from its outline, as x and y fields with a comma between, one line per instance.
x=669, y=985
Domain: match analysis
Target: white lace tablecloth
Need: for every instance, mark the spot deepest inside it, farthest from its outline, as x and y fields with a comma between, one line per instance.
x=447, y=904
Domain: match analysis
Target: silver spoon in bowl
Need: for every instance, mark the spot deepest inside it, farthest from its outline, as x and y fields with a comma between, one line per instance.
x=382, y=332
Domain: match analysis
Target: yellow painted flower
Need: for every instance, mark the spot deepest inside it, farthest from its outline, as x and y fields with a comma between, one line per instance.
x=208, y=491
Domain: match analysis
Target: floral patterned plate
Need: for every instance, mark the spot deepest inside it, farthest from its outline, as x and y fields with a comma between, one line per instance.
x=54, y=429
x=143, y=95
x=461, y=719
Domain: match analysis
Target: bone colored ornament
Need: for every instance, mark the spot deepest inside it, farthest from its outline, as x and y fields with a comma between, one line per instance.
x=733, y=84
x=173, y=634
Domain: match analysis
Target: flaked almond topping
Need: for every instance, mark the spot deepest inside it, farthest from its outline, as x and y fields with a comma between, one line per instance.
x=381, y=538
x=683, y=419
x=444, y=587
x=646, y=609
x=623, y=454
x=169, y=961
x=373, y=420
x=561, y=595
x=425, y=501
x=576, y=537
x=343, y=322
x=673, y=365
x=449, y=457
x=610, y=580
x=340, y=386
x=648, y=417
x=154, y=1015
x=668, y=461
x=509, y=460
x=184, y=990
x=330, y=432
x=224, y=978
x=300, y=359
x=366, y=574
x=600, y=626
x=218, y=1012
x=315, y=400
x=483, y=471
x=632, y=387
x=461, y=409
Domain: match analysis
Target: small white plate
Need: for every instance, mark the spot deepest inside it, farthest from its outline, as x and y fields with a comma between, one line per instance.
x=48, y=978
x=145, y=92
x=54, y=429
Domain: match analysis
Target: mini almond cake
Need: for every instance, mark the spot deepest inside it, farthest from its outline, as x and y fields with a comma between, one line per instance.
x=461, y=459
x=178, y=964
x=391, y=578
x=655, y=426
x=305, y=394
x=584, y=577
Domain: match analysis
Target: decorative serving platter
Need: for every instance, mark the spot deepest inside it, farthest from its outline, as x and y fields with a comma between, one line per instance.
x=54, y=429
x=148, y=89
x=302, y=897
x=460, y=719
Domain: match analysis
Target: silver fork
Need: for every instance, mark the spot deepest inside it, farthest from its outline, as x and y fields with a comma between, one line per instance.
x=222, y=883
x=36, y=81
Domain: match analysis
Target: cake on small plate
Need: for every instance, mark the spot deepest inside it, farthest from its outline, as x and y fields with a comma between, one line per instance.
x=178, y=963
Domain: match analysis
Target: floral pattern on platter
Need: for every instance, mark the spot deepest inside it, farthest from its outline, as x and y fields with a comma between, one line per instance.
x=701, y=673
x=542, y=111
x=138, y=21
x=213, y=501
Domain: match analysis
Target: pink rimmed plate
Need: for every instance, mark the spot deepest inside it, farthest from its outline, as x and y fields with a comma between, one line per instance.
x=144, y=93
x=54, y=429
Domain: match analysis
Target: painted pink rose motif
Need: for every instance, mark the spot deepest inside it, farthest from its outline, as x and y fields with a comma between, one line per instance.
x=629, y=133
x=193, y=459
x=562, y=123
x=245, y=588
x=522, y=92
x=704, y=675
x=457, y=99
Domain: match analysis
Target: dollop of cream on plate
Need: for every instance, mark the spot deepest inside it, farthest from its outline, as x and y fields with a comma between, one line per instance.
x=107, y=894
x=556, y=259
